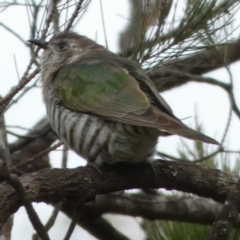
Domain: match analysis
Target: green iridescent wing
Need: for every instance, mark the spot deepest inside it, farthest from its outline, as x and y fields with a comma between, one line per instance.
x=104, y=89
x=99, y=88
x=109, y=91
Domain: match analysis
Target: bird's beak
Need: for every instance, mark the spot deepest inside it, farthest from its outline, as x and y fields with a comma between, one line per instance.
x=38, y=43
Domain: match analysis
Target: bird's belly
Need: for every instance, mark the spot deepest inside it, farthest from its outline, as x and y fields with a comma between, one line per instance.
x=98, y=140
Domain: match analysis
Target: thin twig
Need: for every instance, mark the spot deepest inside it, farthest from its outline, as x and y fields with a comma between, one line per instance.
x=64, y=156
x=211, y=155
x=53, y=217
x=42, y=153
x=14, y=181
x=16, y=67
x=49, y=19
x=51, y=220
x=24, y=80
x=76, y=214
x=23, y=92
x=103, y=24
x=21, y=136
x=19, y=127
x=74, y=15
x=226, y=86
x=14, y=33
x=220, y=149
x=73, y=222
x=232, y=151
x=16, y=184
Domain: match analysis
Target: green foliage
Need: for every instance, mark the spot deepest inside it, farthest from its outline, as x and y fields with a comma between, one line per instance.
x=169, y=30
x=168, y=230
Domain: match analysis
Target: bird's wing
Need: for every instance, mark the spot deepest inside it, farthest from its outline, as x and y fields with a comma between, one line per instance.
x=107, y=90
x=103, y=89
x=146, y=85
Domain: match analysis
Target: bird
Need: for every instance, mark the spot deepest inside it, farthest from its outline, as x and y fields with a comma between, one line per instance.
x=103, y=106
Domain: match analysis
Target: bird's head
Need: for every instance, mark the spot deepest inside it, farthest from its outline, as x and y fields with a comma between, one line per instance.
x=63, y=48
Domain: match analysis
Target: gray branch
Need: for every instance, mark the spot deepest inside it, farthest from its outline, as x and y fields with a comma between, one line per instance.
x=54, y=185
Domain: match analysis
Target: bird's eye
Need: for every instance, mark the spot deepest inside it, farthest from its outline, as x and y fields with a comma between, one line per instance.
x=62, y=46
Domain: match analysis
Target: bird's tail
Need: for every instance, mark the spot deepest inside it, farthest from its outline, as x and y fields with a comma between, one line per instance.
x=195, y=135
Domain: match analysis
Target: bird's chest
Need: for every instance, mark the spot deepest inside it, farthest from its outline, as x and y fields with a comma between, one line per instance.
x=98, y=140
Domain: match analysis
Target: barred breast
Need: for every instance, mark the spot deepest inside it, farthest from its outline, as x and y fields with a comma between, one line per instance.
x=98, y=140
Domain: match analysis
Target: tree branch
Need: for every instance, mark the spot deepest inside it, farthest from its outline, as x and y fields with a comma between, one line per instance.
x=52, y=185
x=166, y=78
x=93, y=223
x=14, y=182
x=28, y=147
x=184, y=209
x=224, y=221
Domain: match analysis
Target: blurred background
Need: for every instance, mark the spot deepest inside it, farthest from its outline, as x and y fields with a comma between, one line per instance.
x=169, y=39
